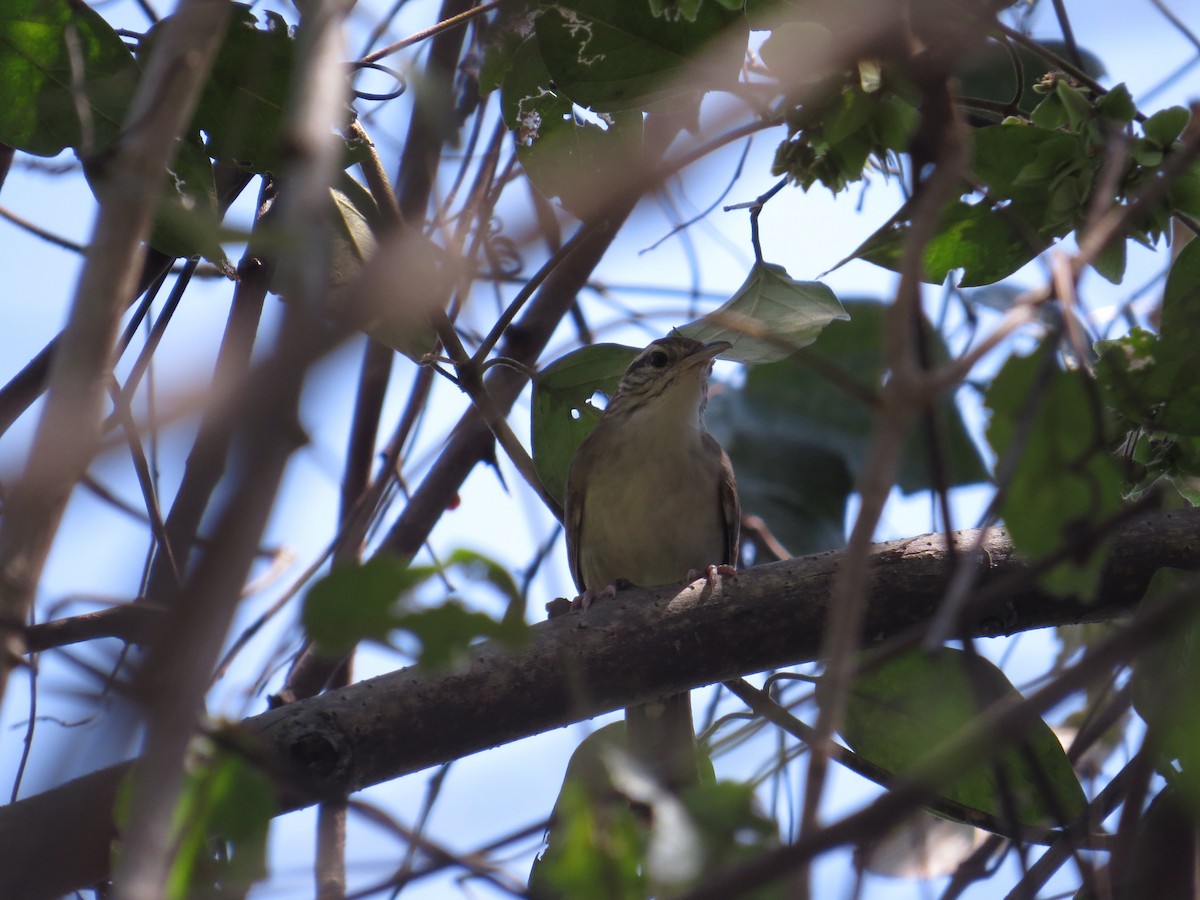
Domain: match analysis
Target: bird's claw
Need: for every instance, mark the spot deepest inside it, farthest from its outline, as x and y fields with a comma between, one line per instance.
x=588, y=597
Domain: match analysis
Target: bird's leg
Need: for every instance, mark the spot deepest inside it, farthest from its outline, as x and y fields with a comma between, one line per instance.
x=588, y=597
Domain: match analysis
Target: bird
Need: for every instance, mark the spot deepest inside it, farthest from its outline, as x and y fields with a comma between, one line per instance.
x=651, y=498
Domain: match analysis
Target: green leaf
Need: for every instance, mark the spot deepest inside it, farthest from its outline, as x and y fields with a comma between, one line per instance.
x=832, y=142
x=371, y=600
x=988, y=72
x=1118, y=105
x=222, y=821
x=675, y=9
x=902, y=709
x=355, y=602
x=397, y=311
x=188, y=222
x=1181, y=312
x=612, y=55
x=595, y=846
x=733, y=830
x=1044, y=175
x=1164, y=684
x=1110, y=262
x=771, y=302
x=986, y=243
x=564, y=155
x=447, y=631
x=1165, y=126
x=53, y=55
x=1152, y=380
x=797, y=439
x=242, y=108
x=482, y=568
x=1064, y=480
x=562, y=414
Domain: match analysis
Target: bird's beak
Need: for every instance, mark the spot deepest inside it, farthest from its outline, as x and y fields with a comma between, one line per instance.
x=708, y=352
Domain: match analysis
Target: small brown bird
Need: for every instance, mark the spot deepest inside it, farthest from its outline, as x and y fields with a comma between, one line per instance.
x=651, y=497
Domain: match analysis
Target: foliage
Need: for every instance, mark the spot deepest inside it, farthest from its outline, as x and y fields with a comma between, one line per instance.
x=530, y=131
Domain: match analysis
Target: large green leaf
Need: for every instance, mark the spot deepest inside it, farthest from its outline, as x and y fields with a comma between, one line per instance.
x=798, y=439
x=562, y=413
x=66, y=77
x=612, y=55
x=769, y=302
x=1063, y=479
x=986, y=243
x=901, y=710
x=243, y=105
x=565, y=155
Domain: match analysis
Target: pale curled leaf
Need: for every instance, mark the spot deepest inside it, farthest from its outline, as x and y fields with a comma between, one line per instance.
x=769, y=316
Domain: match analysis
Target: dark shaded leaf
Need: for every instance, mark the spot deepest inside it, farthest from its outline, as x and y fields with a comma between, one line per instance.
x=565, y=155
x=797, y=440
x=1065, y=480
x=611, y=55
x=242, y=109
x=900, y=710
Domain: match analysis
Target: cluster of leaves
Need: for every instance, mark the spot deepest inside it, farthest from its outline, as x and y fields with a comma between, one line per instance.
x=374, y=600
x=79, y=99
x=1150, y=382
x=1034, y=184
x=832, y=140
x=575, y=78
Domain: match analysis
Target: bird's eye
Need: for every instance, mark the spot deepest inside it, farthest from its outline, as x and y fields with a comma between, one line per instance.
x=658, y=359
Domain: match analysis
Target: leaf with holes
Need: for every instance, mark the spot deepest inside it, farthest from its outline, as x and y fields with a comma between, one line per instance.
x=562, y=413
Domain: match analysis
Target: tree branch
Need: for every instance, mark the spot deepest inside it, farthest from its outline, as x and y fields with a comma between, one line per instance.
x=639, y=645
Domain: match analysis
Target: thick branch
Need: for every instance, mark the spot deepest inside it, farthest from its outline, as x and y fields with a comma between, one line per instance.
x=639, y=645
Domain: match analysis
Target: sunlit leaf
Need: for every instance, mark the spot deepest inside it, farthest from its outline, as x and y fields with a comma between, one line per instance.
x=773, y=303
x=66, y=75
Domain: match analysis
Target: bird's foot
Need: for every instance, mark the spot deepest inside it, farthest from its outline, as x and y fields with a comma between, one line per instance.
x=588, y=597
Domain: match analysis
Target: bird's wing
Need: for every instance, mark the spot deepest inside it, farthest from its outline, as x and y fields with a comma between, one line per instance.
x=573, y=523
x=731, y=512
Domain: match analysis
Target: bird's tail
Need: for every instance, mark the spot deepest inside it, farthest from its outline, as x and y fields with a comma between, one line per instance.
x=663, y=739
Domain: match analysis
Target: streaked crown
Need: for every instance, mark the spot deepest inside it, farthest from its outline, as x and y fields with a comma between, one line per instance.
x=661, y=365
